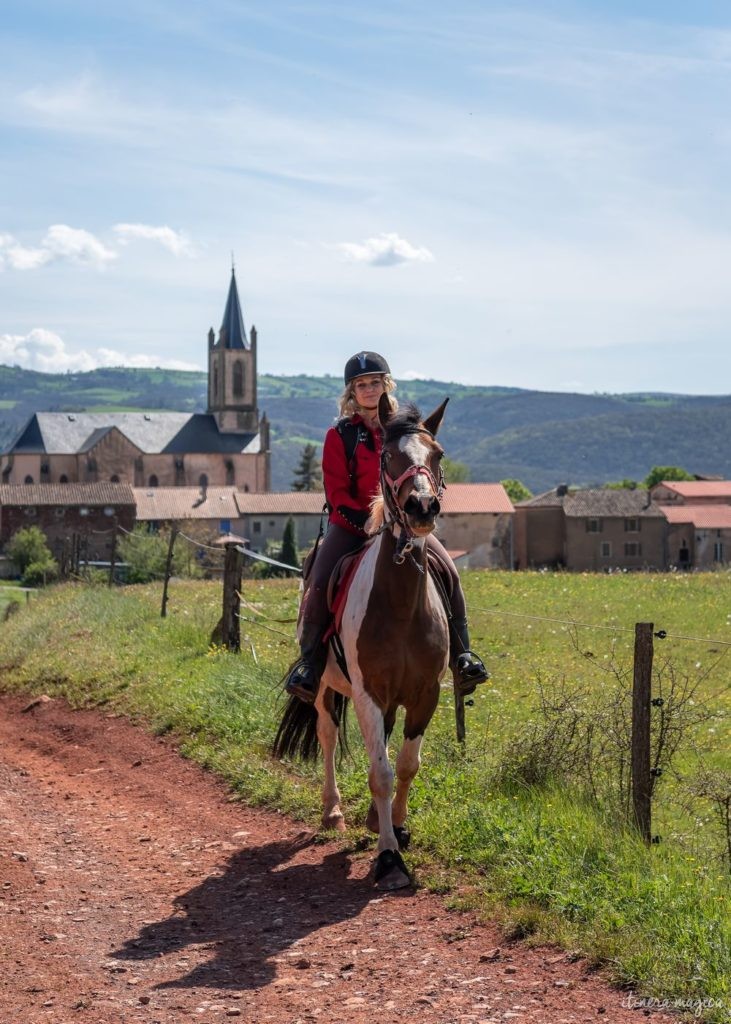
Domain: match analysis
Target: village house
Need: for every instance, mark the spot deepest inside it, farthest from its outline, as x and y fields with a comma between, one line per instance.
x=228, y=445
x=78, y=520
x=698, y=514
x=591, y=530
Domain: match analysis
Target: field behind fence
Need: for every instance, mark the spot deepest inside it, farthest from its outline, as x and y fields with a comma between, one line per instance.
x=531, y=811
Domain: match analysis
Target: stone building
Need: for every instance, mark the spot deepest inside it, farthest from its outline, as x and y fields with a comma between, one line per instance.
x=228, y=445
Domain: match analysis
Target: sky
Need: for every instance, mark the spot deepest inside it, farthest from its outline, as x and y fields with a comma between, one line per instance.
x=530, y=195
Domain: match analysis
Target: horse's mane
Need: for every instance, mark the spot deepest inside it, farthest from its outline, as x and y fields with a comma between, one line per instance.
x=406, y=421
x=375, y=520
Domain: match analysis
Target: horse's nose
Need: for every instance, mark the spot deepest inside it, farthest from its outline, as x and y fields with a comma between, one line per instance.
x=423, y=506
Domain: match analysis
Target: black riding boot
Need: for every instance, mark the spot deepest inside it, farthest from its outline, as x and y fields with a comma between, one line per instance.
x=468, y=669
x=303, y=680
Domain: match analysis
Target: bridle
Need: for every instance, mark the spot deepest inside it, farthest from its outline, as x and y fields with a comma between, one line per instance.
x=390, y=489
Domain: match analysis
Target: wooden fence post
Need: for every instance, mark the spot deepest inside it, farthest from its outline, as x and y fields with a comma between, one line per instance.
x=230, y=623
x=641, y=703
x=113, y=555
x=168, y=570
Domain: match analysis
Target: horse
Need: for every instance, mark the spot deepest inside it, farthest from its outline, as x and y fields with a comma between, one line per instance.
x=394, y=633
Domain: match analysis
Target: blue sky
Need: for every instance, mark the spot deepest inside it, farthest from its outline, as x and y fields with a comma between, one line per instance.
x=535, y=195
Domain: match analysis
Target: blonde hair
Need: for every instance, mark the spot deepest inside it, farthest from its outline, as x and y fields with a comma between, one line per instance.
x=348, y=404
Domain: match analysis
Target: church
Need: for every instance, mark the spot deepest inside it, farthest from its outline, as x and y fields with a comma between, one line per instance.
x=228, y=445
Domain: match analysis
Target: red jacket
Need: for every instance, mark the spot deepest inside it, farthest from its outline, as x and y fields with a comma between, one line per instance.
x=350, y=501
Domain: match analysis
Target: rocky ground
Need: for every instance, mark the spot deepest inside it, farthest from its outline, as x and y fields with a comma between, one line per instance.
x=134, y=889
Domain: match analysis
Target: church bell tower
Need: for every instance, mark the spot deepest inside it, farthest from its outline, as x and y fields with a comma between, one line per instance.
x=232, y=370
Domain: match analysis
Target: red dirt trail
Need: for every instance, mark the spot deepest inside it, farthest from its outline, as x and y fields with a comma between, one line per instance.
x=133, y=889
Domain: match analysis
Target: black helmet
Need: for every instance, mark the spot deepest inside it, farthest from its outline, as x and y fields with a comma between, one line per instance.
x=364, y=363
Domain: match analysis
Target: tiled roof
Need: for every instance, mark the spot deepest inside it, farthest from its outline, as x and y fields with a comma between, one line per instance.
x=699, y=488
x=66, y=494
x=280, y=503
x=609, y=502
x=703, y=517
x=152, y=432
x=165, y=504
x=460, y=498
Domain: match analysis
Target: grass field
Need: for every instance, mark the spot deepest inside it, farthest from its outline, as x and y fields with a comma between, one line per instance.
x=549, y=862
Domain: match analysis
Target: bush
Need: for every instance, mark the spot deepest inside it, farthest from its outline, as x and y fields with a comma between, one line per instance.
x=146, y=553
x=38, y=574
x=28, y=547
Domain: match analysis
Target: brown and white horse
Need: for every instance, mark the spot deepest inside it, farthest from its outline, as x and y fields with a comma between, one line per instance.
x=395, y=638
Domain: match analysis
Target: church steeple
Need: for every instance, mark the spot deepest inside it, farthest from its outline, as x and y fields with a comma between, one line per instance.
x=232, y=370
x=233, y=332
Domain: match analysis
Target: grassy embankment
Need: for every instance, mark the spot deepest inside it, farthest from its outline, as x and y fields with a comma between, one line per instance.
x=549, y=863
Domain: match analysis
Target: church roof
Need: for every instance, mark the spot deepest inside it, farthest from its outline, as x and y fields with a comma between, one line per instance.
x=56, y=433
x=233, y=332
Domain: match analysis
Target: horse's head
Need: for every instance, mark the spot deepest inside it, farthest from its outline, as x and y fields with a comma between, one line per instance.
x=411, y=476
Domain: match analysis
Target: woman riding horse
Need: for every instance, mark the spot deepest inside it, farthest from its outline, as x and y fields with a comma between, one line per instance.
x=351, y=468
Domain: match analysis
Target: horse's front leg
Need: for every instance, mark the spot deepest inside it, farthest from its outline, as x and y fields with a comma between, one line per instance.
x=407, y=765
x=327, y=734
x=391, y=871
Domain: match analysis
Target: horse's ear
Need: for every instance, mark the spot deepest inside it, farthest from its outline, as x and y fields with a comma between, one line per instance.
x=434, y=420
x=385, y=412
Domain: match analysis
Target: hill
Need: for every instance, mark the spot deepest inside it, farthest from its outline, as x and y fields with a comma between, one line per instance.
x=542, y=438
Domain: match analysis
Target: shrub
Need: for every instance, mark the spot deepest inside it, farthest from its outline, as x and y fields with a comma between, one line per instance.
x=38, y=574
x=28, y=546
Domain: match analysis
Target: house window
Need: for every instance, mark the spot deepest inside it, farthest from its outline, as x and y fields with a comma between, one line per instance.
x=63, y=479
x=114, y=479
x=28, y=480
x=632, y=549
x=718, y=551
x=606, y=549
x=152, y=482
x=593, y=526
x=225, y=526
x=256, y=526
x=632, y=526
x=30, y=511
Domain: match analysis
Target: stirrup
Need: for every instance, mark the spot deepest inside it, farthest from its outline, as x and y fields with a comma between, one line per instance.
x=303, y=682
x=469, y=672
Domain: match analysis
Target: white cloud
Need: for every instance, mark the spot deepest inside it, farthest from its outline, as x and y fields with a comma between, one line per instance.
x=177, y=242
x=385, y=250
x=61, y=242
x=46, y=351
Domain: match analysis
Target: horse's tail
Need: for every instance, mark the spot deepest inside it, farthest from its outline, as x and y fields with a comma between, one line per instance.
x=297, y=733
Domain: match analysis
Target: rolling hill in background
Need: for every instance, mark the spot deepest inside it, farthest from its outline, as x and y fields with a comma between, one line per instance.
x=542, y=438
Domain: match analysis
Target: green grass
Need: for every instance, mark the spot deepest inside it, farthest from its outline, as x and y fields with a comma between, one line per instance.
x=548, y=863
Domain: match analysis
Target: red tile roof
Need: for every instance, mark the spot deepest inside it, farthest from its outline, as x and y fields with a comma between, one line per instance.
x=459, y=498
x=280, y=503
x=172, y=503
x=702, y=517
x=699, y=488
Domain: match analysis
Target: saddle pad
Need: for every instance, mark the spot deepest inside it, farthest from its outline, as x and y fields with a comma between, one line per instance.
x=337, y=603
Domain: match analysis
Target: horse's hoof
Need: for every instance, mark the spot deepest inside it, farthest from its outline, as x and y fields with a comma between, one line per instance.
x=371, y=821
x=391, y=872
x=335, y=821
x=403, y=836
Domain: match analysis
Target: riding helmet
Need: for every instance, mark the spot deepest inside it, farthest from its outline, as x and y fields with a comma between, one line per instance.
x=364, y=363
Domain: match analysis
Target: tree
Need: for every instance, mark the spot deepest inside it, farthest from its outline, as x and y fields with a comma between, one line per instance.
x=288, y=554
x=517, y=491
x=659, y=473
x=621, y=485
x=455, y=472
x=146, y=554
x=27, y=548
x=308, y=474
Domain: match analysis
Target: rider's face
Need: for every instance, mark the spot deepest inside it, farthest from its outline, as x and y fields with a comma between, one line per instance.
x=368, y=390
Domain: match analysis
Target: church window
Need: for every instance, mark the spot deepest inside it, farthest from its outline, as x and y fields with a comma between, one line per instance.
x=152, y=482
x=229, y=473
x=238, y=379
x=63, y=479
x=203, y=480
x=215, y=382
x=28, y=480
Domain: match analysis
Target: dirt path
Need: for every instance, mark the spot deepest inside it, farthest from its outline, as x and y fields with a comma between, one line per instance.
x=132, y=889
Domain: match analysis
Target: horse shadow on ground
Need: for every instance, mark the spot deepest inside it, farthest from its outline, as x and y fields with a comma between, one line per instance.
x=254, y=910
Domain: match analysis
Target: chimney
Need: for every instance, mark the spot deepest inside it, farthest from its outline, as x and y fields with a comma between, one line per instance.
x=562, y=490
